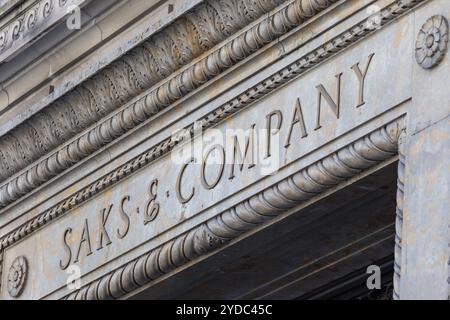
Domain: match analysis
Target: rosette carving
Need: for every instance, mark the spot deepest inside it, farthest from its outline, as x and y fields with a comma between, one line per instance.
x=17, y=276
x=432, y=42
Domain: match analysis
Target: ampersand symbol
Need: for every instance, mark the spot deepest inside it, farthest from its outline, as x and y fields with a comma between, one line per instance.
x=151, y=207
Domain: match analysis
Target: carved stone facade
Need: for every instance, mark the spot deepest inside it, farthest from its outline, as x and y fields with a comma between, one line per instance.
x=432, y=42
x=120, y=167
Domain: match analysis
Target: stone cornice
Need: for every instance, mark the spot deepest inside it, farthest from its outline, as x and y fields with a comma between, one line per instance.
x=33, y=18
x=373, y=149
x=303, y=64
x=300, y=66
x=399, y=216
x=143, y=67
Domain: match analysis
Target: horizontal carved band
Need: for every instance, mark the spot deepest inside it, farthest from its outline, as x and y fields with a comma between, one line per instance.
x=71, y=114
x=156, y=59
x=399, y=219
x=346, y=163
x=148, y=69
x=266, y=86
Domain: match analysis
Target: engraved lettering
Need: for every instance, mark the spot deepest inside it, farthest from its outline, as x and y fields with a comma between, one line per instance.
x=361, y=75
x=213, y=184
x=184, y=199
x=297, y=117
x=238, y=152
x=238, y=158
x=152, y=207
x=333, y=104
x=272, y=130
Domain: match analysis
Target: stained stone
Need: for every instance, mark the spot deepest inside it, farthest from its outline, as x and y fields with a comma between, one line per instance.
x=224, y=150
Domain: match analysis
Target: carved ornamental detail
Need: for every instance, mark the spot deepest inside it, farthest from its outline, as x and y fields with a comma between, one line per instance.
x=399, y=217
x=28, y=22
x=432, y=41
x=159, y=56
x=344, y=164
x=155, y=59
x=17, y=276
x=323, y=175
x=266, y=86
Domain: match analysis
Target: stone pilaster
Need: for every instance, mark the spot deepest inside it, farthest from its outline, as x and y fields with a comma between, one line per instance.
x=426, y=216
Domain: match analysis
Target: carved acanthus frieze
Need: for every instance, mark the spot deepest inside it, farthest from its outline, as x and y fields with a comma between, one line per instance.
x=31, y=20
x=124, y=79
x=399, y=217
x=303, y=64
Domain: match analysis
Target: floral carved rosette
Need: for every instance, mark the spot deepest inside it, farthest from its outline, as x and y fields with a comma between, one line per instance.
x=17, y=276
x=432, y=41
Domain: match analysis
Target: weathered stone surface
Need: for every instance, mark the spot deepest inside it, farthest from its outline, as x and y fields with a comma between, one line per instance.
x=197, y=148
x=425, y=253
x=54, y=126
